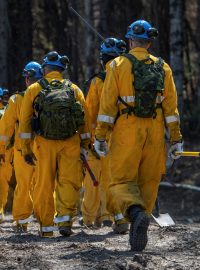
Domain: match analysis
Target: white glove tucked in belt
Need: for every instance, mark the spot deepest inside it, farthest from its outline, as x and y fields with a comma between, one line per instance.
x=101, y=147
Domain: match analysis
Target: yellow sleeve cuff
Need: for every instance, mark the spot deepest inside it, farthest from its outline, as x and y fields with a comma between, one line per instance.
x=175, y=132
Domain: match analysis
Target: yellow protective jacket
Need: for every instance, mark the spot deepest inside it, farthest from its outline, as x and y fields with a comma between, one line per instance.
x=27, y=111
x=93, y=99
x=10, y=122
x=119, y=82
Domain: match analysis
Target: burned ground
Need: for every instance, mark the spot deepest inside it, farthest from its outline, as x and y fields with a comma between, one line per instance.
x=176, y=248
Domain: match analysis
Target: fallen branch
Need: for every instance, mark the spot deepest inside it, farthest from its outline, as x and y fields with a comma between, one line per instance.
x=184, y=186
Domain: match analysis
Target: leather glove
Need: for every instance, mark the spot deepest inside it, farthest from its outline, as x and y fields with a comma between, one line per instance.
x=84, y=153
x=175, y=147
x=101, y=147
x=30, y=159
x=2, y=158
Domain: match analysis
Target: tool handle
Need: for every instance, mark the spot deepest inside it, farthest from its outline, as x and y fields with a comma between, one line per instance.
x=92, y=176
x=188, y=154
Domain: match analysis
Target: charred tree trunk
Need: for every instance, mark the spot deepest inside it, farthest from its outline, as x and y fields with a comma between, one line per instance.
x=89, y=40
x=198, y=50
x=20, y=48
x=176, y=47
x=4, y=35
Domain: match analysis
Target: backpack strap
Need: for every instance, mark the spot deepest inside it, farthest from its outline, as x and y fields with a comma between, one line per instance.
x=43, y=83
x=160, y=62
x=101, y=75
x=135, y=61
x=67, y=83
x=21, y=93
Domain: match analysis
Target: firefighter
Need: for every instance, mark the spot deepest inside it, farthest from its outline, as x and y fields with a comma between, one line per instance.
x=138, y=97
x=22, y=202
x=60, y=128
x=96, y=201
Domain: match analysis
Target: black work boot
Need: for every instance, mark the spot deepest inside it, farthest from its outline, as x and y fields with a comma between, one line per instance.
x=65, y=230
x=139, y=226
x=107, y=223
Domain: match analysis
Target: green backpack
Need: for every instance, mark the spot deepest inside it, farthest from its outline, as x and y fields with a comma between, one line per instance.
x=58, y=113
x=148, y=82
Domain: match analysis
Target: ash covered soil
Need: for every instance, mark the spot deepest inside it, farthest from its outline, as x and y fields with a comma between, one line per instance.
x=175, y=247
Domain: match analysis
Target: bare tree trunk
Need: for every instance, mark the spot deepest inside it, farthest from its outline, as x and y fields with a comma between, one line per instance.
x=176, y=46
x=89, y=38
x=4, y=35
x=198, y=45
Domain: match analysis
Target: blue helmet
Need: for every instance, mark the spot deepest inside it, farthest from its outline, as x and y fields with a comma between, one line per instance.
x=5, y=91
x=32, y=69
x=55, y=59
x=1, y=92
x=141, y=29
x=113, y=46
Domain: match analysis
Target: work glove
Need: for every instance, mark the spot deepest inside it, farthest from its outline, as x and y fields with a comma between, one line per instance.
x=175, y=147
x=93, y=151
x=84, y=153
x=2, y=158
x=101, y=147
x=30, y=159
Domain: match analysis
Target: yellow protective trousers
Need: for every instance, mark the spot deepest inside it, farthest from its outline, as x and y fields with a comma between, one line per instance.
x=94, y=204
x=22, y=202
x=137, y=160
x=91, y=198
x=5, y=176
x=56, y=159
x=111, y=205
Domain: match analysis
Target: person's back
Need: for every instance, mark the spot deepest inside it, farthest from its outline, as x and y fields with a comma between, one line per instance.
x=137, y=147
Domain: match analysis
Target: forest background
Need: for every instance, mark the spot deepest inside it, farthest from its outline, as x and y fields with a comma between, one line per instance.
x=31, y=28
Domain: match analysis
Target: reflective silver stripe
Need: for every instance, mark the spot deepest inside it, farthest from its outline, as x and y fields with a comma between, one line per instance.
x=4, y=138
x=106, y=119
x=49, y=229
x=62, y=219
x=172, y=118
x=13, y=98
x=118, y=217
x=127, y=99
x=159, y=99
x=85, y=136
x=25, y=135
x=1, y=216
x=26, y=220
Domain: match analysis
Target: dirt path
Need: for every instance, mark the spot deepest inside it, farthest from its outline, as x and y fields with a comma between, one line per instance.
x=168, y=248
x=175, y=248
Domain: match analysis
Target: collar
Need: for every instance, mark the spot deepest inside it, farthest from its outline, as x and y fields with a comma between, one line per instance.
x=139, y=49
x=54, y=75
x=140, y=53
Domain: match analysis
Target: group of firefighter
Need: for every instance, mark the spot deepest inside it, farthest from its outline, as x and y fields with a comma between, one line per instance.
x=119, y=131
